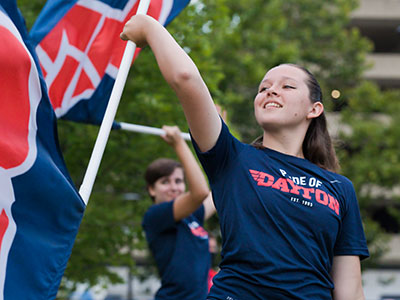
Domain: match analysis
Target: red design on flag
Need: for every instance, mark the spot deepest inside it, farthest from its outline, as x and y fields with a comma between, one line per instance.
x=21, y=94
x=82, y=48
x=3, y=225
x=14, y=104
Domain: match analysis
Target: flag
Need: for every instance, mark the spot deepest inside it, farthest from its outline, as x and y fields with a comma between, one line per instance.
x=80, y=51
x=40, y=209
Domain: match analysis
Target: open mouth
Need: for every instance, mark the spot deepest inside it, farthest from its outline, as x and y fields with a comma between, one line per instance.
x=272, y=104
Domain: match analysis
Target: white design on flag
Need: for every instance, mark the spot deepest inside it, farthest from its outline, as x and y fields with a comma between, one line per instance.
x=112, y=70
x=107, y=11
x=165, y=11
x=7, y=197
x=6, y=200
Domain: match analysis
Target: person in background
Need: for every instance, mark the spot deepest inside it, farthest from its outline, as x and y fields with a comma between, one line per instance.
x=173, y=224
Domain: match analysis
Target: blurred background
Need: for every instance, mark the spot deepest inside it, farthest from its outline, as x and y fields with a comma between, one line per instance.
x=353, y=48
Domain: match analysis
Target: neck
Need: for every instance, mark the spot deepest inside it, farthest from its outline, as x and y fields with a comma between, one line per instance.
x=287, y=141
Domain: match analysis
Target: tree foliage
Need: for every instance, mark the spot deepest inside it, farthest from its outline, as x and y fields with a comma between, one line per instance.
x=370, y=156
x=233, y=42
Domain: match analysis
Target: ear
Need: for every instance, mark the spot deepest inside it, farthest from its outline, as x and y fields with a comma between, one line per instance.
x=151, y=191
x=316, y=110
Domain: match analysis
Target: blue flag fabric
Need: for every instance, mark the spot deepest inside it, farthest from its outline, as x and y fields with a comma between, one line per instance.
x=80, y=51
x=40, y=209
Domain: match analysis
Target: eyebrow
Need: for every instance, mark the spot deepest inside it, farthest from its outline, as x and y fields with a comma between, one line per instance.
x=283, y=78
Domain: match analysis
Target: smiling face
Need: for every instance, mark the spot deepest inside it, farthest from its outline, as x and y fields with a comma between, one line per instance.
x=167, y=188
x=283, y=99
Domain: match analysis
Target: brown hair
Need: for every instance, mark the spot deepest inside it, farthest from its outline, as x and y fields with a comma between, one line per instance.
x=317, y=145
x=160, y=168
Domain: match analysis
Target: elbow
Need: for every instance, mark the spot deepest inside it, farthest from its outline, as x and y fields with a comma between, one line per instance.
x=204, y=193
x=201, y=195
x=183, y=77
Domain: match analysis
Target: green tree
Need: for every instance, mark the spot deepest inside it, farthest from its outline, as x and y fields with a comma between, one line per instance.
x=370, y=155
x=263, y=34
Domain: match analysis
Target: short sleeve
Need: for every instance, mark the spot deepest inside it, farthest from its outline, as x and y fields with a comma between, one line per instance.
x=351, y=239
x=199, y=215
x=215, y=160
x=158, y=218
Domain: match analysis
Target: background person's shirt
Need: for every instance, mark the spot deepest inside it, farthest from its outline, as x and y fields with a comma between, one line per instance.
x=180, y=250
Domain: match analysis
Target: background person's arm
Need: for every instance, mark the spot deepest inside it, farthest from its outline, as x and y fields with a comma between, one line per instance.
x=209, y=208
x=188, y=202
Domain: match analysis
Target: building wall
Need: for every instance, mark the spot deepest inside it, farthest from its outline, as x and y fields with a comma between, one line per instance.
x=379, y=20
x=378, y=10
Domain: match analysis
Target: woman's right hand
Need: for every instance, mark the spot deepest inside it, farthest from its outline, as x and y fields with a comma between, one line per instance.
x=135, y=29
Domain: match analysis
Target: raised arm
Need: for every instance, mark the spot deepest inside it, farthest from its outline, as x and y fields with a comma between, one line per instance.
x=198, y=191
x=209, y=208
x=181, y=74
x=346, y=275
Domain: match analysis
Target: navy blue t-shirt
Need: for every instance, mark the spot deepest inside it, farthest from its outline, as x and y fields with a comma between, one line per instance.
x=180, y=250
x=282, y=219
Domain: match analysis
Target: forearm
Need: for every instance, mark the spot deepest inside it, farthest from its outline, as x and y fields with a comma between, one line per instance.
x=182, y=75
x=197, y=184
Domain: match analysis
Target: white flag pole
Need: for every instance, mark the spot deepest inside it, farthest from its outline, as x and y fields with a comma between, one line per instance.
x=105, y=128
x=148, y=130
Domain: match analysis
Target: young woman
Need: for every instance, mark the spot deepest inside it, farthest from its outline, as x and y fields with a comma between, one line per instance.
x=291, y=228
x=173, y=225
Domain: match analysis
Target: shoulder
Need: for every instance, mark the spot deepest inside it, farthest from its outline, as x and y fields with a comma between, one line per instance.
x=225, y=140
x=157, y=212
x=341, y=181
x=199, y=214
x=344, y=189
